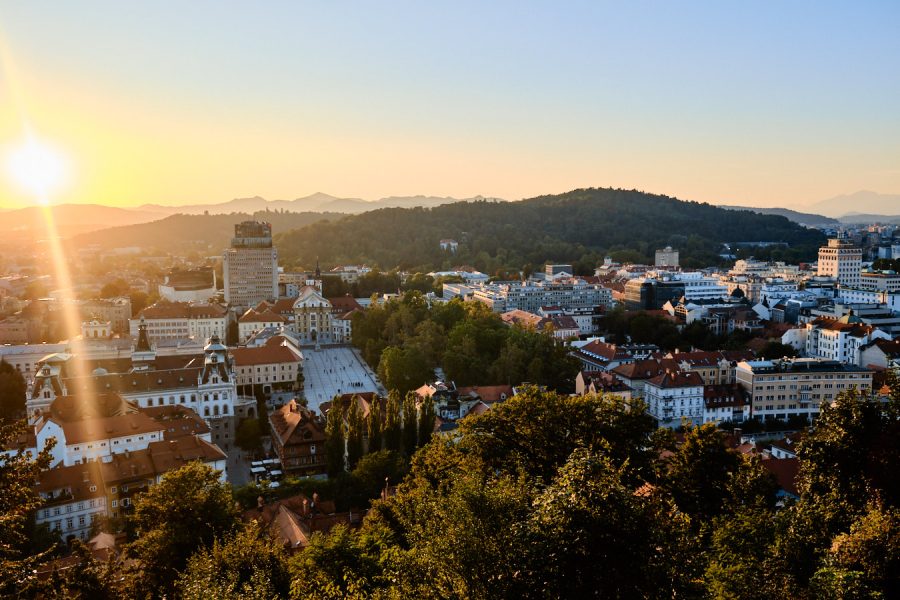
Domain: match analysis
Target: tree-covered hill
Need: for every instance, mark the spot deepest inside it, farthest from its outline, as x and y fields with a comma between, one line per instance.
x=580, y=226
x=180, y=231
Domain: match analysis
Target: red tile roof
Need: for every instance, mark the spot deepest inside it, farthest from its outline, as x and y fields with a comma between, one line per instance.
x=677, y=379
x=267, y=354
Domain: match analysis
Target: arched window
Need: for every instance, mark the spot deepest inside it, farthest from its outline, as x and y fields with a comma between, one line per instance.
x=216, y=410
x=225, y=409
x=205, y=411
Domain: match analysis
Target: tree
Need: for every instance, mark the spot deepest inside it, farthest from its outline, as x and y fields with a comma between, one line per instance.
x=335, y=566
x=537, y=431
x=186, y=511
x=403, y=369
x=248, y=436
x=427, y=418
x=355, y=427
x=867, y=558
x=392, y=422
x=374, y=468
x=117, y=287
x=700, y=471
x=246, y=565
x=374, y=424
x=12, y=393
x=774, y=350
x=410, y=422
x=606, y=540
x=335, y=436
x=88, y=579
x=18, y=472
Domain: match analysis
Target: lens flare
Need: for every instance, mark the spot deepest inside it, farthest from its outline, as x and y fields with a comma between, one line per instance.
x=37, y=168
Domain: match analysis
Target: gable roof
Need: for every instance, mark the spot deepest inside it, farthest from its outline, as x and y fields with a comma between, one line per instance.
x=292, y=422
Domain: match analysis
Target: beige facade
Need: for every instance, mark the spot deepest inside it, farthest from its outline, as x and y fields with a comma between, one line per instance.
x=797, y=387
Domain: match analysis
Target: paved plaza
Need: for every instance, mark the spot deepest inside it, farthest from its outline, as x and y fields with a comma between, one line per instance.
x=335, y=370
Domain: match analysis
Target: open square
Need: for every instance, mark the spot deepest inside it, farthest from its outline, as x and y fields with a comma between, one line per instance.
x=335, y=370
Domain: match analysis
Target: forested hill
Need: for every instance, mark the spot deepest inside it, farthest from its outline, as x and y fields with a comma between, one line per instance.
x=198, y=232
x=580, y=226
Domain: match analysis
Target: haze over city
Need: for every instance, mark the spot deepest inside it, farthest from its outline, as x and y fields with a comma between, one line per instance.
x=183, y=103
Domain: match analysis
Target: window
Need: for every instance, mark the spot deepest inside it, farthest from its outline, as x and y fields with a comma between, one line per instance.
x=113, y=490
x=115, y=503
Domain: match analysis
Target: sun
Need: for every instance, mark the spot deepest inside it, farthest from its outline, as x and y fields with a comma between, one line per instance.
x=37, y=168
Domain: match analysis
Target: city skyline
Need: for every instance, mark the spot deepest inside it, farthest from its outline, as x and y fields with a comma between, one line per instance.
x=170, y=104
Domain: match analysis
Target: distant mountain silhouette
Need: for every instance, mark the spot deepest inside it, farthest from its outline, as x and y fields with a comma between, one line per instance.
x=206, y=233
x=70, y=219
x=863, y=201
x=793, y=215
x=318, y=202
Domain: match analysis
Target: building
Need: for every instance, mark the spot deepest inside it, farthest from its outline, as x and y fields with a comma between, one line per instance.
x=880, y=354
x=448, y=245
x=879, y=281
x=96, y=329
x=797, y=387
x=312, y=316
x=666, y=257
x=646, y=293
x=839, y=339
x=841, y=260
x=250, y=266
x=530, y=296
x=182, y=320
x=253, y=321
x=597, y=355
x=725, y=403
x=674, y=397
x=601, y=382
x=272, y=366
x=192, y=285
x=557, y=271
x=73, y=500
x=714, y=368
x=298, y=439
x=205, y=384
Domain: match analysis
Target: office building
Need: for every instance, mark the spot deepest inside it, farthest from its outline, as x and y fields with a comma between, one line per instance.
x=251, y=265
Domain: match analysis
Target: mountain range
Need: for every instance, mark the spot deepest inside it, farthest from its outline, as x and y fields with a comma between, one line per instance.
x=317, y=202
x=74, y=219
x=861, y=202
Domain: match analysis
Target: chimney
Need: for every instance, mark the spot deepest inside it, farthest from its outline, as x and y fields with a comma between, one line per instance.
x=85, y=476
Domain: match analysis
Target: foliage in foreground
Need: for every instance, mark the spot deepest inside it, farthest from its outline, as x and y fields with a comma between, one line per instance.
x=549, y=496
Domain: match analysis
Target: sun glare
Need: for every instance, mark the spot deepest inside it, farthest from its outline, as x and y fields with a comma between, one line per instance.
x=37, y=168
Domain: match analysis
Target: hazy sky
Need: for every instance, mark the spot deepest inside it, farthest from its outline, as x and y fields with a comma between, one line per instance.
x=779, y=103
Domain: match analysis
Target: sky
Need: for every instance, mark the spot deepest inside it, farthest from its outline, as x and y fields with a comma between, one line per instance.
x=762, y=104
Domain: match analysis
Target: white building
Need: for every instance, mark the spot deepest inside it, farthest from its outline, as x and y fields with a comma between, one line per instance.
x=673, y=397
x=839, y=339
x=195, y=285
x=842, y=260
x=182, y=320
x=530, y=296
